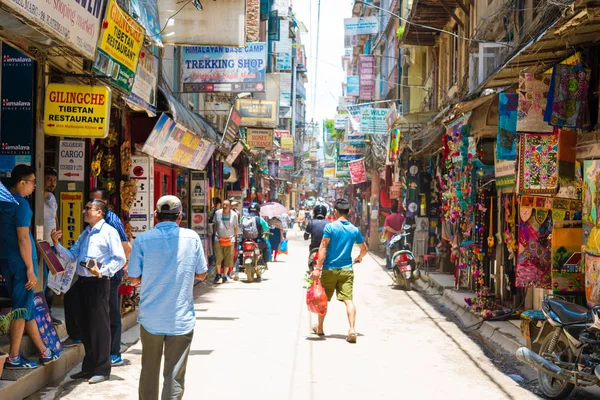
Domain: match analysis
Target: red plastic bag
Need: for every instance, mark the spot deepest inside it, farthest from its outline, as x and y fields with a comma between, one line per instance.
x=316, y=298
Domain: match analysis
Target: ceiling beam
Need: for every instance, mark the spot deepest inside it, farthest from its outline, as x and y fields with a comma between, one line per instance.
x=449, y=11
x=463, y=6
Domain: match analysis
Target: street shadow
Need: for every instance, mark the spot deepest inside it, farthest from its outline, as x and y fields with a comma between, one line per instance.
x=218, y=318
x=315, y=338
x=201, y=352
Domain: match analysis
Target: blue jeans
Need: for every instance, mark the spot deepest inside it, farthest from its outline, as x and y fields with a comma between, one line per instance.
x=115, y=317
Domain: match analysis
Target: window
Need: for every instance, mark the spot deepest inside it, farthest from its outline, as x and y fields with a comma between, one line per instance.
x=483, y=63
x=454, y=58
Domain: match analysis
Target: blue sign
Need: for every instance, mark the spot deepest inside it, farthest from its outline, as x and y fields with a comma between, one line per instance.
x=352, y=85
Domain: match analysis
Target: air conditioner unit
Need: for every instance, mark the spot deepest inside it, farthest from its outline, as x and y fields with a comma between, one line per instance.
x=231, y=176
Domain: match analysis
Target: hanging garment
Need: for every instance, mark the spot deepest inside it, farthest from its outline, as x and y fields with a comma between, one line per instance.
x=533, y=94
x=592, y=278
x=538, y=163
x=567, y=263
x=534, y=254
x=567, y=97
x=506, y=145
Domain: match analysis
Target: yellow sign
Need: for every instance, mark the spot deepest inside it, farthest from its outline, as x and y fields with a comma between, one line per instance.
x=260, y=138
x=287, y=144
x=257, y=112
x=70, y=222
x=77, y=110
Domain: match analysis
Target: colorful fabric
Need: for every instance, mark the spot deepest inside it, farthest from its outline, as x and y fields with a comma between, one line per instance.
x=567, y=142
x=592, y=278
x=533, y=93
x=533, y=259
x=538, y=163
x=567, y=97
x=506, y=148
x=591, y=204
x=567, y=263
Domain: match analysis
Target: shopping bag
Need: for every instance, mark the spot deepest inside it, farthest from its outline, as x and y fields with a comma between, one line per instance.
x=283, y=247
x=316, y=298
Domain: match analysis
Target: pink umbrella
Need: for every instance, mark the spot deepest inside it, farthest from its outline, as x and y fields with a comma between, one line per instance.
x=272, y=210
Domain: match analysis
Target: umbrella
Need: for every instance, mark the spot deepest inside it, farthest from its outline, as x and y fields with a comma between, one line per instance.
x=271, y=210
x=6, y=196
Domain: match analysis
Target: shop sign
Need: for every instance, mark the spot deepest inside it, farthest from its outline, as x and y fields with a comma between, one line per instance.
x=287, y=161
x=202, y=155
x=355, y=112
x=257, y=112
x=351, y=151
x=231, y=129
x=16, y=109
x=352, y=85
x=358, y=173
x=361, y=26
x=396, y=191
x=391, y=116
x=372, y=121
x=224, y=69
x=283, y=61
x=74, y=22
x=366, y=71
x=282, y=7
x=71, y=160
x=77, y=110
x=505, y=174
x=281, y=133
x=287, y=144
x=235, y=152
x=70, y=215
x=329, y=172
x=341, y=169
x=198, y=202
x=285, y=87
x=260, y=138
x=340, y=120
x=143, y=92
x=141, y=213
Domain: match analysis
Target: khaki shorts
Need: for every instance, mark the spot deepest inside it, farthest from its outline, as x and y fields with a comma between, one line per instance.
x=224, y=255
x=339, y=280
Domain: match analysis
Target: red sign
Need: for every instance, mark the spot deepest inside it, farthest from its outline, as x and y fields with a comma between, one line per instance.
x=358, y=173
x=279, y=133
x=395, y=191
x=366, y=71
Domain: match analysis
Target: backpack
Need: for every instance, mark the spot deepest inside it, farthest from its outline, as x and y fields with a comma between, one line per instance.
x=249, y=228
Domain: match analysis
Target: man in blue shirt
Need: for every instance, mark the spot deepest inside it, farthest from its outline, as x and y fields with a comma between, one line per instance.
x=335, y=259
x=115, y=313
x=18, y=264
x=99, y=256
x=166, y=260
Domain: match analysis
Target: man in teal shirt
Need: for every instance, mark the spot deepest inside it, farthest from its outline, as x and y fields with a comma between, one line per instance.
x=335, y=261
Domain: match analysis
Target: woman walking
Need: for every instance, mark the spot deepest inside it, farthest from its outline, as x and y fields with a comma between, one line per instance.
x=276, y=235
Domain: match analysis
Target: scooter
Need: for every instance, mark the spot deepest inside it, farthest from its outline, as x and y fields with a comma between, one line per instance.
x=250, y=260
x=403, y=261
x=313, y=256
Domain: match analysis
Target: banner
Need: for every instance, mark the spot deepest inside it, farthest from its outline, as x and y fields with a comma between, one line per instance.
x=352, y=85
x=257, y=112
x=287, y=144
x=340, y=121
x=373, y=121
x=70, y=217
x=358, y=173
x=355, y=114
x=143, y=92
x=285, y=87
x=286, y=161
x=231, y=129
x=366, y=71
x=341, y=169
x=351, y=151
x=260, y=138
x=224, y=69
x=280, y=133
x=361, y=26
x=119, y=49
x=235, y=152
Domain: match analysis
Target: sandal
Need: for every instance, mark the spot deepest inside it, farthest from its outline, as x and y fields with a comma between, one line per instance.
x=314, y=330
x=351, y=338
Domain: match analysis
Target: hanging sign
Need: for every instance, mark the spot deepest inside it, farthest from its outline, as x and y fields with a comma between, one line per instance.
x=366, y=71
x=235, y=152
x=340, y=121
x=358, y=173
x=341, y=169
x=77, y=110
x=198, y=202
x=232, y=129
x=280, y=133
x=352, y=85
x=361, y=26
x=70, y=215
x=71, y=160
x=260, y=138
x=257, y=112
x=287, y=161
x=119, y=49
x=395, y=191
x=351, y=151
x=141, y=213
x=143, y=92
x=373, y=121
x=287, y=144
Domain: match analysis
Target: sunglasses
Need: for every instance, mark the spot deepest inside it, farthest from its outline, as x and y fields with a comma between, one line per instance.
x=88, y=208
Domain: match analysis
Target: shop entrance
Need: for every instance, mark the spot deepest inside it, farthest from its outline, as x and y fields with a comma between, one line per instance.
x=163, y=182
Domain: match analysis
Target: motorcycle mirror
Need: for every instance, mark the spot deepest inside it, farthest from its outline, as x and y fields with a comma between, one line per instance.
x=406, y=227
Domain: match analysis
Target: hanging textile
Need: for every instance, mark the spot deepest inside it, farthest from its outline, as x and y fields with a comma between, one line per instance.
x=506, y=147
x=412, y=189
x=592, y=279
x=538, y=163
x=567, y=264
x=591, y=205
x=421, y=237
x=394, y=147
x=534, y=255
x=533, y=94
x=567, y=97
x=567, y=142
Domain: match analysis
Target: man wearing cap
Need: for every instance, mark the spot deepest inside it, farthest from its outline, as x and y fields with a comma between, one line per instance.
x=226, y=228
x=166, y=260
x=335, y=261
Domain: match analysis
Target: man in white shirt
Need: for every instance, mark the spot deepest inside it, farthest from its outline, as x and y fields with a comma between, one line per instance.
x=50, y=223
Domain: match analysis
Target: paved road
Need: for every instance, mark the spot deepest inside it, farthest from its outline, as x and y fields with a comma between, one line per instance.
x=253, y=341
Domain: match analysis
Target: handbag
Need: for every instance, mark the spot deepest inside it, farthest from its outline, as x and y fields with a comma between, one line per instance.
x=225, y=242
x=283, y=247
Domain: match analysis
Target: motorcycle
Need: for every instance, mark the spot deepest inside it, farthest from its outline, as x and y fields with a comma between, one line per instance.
x=403, y=261
x=570, y=355
x=313, y=256
x=251, y=260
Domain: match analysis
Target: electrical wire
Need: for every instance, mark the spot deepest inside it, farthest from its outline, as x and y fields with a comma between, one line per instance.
x=316, y=58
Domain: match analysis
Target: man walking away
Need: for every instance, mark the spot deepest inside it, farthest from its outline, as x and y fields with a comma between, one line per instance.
x=292, y=217
x=50, y=222
x=392, y=226
x=335, y=261
x=226, y=229
x=113, y=220
x=316, y=227
x=166, y=259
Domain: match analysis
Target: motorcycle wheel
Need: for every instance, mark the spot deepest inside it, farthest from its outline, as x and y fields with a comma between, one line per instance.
x=401, y=282
x=250, y=273
x=551, y=387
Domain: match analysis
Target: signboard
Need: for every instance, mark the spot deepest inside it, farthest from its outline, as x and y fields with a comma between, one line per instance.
x=282, y=7
x=281, y=133
x=358, y=173
x=285, y=87
x=395, y=191
x=286, y=161
x=373, y=121
x=44, y=323
x=235, y=152
x=283, y=62
x=198, y=202
x=141, y=213
x=71, y=160
x=224, y=69
x=340, y=121
x=232, y=128
x=348, y=52
x=341, y=169
x=329, y=172
x=351, y=151
x=70, y=216
x=257, y=112
x=352, y=85
x=361, y=26
x=355, y=114
x=77, y=110
x=391, y=116
x=260, y=138
x=143, y=92
x=61, y=283
x=16, y=109
x=119, y=49
x=73, y=22
x=202, y=155
x=366, y=71
x=505, y=173
x=287, y=144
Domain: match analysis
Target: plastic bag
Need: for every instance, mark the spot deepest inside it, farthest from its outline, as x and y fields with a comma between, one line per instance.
x=283, y=247
x=316, y=298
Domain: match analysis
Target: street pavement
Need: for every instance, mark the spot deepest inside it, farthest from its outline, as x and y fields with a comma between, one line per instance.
x=253, y=341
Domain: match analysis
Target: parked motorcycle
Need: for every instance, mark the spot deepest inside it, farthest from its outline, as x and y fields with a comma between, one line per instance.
x=570, y=355
x=251, y=261
x=403, y=261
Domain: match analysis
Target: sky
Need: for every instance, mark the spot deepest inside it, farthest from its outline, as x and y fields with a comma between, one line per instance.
x=331, y=49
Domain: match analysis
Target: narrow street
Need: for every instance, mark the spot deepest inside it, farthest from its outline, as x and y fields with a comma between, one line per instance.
x=253, y=341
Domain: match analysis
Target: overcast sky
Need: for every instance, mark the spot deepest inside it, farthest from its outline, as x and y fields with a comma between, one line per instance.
x=331, y=49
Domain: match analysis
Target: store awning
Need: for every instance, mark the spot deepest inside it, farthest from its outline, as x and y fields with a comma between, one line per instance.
x=428, y=13
x=185, y=117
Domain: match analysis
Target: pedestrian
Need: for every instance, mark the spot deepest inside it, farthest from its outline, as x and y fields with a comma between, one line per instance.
x=334, y=266
x=216, y=202
x=233, y=273
x=392, y=226
x=99, y=254
x=226, y=229
x=116, y=327
x=18, y=264
x=292, y=217
x=50, y=222
x=166, y=260
x=316, y=227
x=276, y=229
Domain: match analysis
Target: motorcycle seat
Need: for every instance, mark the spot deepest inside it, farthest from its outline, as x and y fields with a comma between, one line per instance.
x=569, y=313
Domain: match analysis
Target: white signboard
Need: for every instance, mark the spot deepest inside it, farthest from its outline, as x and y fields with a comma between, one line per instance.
x=361, y=26
x=340, y=121
x=141, y=213
x=355, y=114
x=285, y=87
x=282, y=7
x=372, y=121
x=74, y=22
x=143, y=92
x=71, y=160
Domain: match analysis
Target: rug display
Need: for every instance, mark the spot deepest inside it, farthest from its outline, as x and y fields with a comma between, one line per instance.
x=567, y=263
x=592, y=279
x=567, y=97
x=506, y=148
x=533, y=94
x=591, y=204
x=538, y=163
x=534, y=265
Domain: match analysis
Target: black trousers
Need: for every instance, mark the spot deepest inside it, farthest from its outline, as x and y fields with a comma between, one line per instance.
x=115, y=317
x=94, y=295
x=72, y=312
